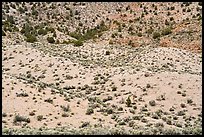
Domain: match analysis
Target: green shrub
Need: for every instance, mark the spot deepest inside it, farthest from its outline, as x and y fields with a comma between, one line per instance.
x=89, y=111
x=65, y=108
x=149, y=31
x=78, y=43
x=31, y=38
x=156, y=35
x=111, y=42
x=85, y=124
x=200, y=3
x=4, y=114
x=114, y=88
x=139, y=34
x=3, y=33
x=128, y=102
x=42, y=31
x=10, y=19
x=19, y=118
x=109, y=111
x=107, y=52
x=49, y=100
x=181, y=113
x=39, y=117
x=65, y=115
x=189, y=101
x=34, y=12
x=52, y=30
x=50, y=39
x=152, y=103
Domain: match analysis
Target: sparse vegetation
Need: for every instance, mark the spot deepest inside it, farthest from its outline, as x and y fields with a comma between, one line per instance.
x=110, y=68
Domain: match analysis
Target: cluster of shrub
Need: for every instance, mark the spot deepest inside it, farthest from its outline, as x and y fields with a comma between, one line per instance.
x=89, y=34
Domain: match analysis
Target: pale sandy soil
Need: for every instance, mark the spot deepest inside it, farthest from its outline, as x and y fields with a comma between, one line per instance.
x=163, y=82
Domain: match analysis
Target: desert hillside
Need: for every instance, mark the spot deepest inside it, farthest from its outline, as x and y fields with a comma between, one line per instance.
x=101, y=68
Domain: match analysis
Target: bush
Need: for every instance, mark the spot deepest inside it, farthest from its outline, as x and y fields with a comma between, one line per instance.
x=4, y=114
x=152, y=103
x=31, y=38
x=128, y=102
x=10, y=19
x=42, y=32
x=107, y=53
x=189, y=101
x=156, y=35
x=200, y=3
x=181, y=113
x=19, y=118
x=78, y=43
x=109, y=111
x=39, y=117
x=3, y=33
x=49, y=100
x=111, y=42
x=65, y=115
x=89, y=111
x=65, y=108
x=114, y=88
x=139, y=34
x=149, y=31
x=50, y=39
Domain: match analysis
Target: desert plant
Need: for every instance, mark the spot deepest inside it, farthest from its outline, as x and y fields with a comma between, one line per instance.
x=149, y=31
x=65, y=108
x=78, y=43
x=152, y=103
x=49, y=100
x=107, y=52
x=182, y=105
x=3, y=33
x=19, y=118
x=189, y=101
x=128, y=101
x=109, y=111
x=23, y=94
x=183, y=94
x=114, y=88
x=50, y=39
x=178, y=92
x=166, y=31
x=120, y=109
x=89, y=111
x=4, y=114
x=181, y=113
x=32, y=113
x=156, y=35
x=111, y=42
x=65, y=115
x=39, y=117
x=42, y=31
x=31, y=38
x=85, y=124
